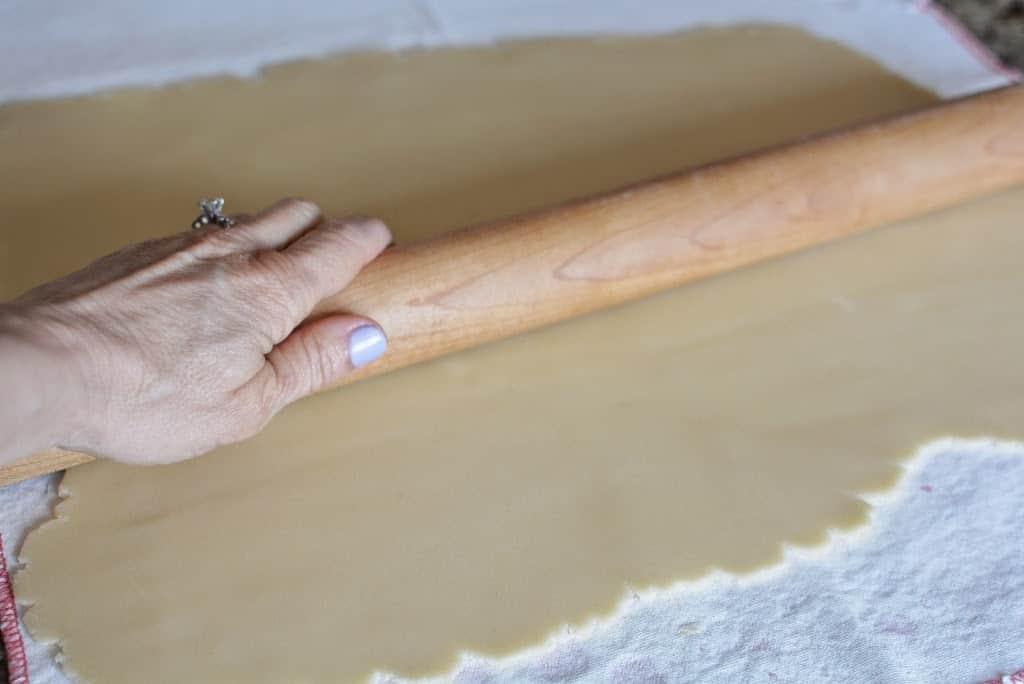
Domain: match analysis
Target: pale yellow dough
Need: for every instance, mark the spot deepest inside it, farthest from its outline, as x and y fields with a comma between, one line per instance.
x=481, y=501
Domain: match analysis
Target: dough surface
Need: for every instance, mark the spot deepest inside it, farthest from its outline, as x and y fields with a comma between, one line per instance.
x=481, y=501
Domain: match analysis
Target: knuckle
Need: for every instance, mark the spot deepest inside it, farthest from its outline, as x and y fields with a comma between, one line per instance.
x=361, y=237
x=309, y=366
x=299, y=209
x=289, y=386
x=350, y=243
x=273, y=275
x=266, y=282
x=320, y=360
x=373, y=228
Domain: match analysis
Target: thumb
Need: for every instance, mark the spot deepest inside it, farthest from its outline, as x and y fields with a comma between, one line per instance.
x=317, y=355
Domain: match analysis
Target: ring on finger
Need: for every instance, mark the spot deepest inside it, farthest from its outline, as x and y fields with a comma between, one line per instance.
x=213, y=214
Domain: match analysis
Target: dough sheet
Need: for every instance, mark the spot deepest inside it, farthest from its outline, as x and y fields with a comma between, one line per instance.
x=484, y=500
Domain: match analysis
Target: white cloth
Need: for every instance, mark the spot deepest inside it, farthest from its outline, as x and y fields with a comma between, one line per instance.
x=932, y=590
x=62, y=47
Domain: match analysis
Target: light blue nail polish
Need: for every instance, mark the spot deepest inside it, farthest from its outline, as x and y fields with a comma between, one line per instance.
x=366, y=344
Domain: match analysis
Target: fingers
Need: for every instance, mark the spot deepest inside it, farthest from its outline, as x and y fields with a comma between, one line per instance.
x=327, y=258
x=271, y=229
x=276, y=226
x=317, y=355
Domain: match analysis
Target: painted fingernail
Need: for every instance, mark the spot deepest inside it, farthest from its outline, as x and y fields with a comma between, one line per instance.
x=366, y=344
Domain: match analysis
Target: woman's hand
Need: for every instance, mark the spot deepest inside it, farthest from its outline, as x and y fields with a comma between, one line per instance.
x=170, y=348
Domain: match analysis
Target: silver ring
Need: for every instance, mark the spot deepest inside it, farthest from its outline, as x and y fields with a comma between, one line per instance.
x=213, y=212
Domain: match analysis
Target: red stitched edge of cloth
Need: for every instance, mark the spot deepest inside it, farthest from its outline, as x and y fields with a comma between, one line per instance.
x=10, y=629
x=1015, y=678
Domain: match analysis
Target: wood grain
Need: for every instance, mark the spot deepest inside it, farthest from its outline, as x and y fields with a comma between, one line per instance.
x=488, y=282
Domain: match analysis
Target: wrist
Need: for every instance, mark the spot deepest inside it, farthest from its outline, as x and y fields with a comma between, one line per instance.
x=39, y=411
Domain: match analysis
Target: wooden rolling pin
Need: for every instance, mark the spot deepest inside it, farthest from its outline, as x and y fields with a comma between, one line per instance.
x=484, y=283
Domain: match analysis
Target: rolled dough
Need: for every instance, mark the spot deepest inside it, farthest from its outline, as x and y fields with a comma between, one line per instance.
x=481, y=501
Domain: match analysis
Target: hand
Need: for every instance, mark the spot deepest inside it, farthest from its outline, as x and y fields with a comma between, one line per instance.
x=170, y=348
